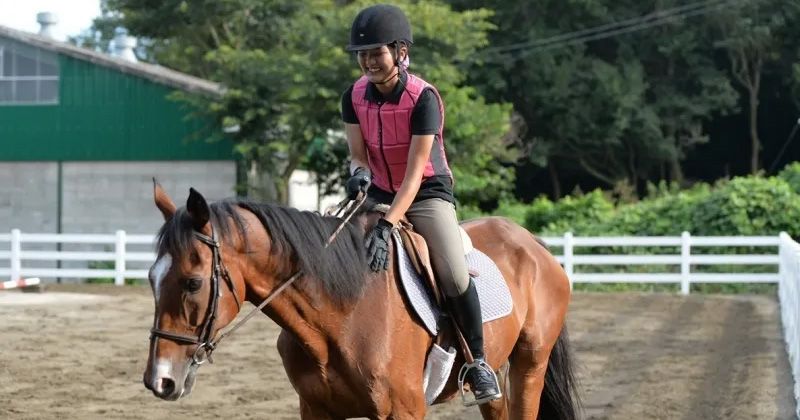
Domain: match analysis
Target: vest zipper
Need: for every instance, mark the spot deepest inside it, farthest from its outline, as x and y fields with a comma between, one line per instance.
x=383, y=154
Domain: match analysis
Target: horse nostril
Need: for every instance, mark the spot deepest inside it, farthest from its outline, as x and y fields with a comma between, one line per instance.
x=167, y=386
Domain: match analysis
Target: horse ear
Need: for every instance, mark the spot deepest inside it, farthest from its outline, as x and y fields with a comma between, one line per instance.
x=197, y=207
x=163, y=202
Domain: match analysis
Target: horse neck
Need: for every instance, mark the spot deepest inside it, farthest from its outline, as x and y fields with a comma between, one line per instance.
x=305, y=311
x=321, y=326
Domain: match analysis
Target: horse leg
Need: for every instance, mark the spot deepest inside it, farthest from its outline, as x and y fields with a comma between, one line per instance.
x=498, y=409
x=528, y=368
x=310, y=412
x=495, y=410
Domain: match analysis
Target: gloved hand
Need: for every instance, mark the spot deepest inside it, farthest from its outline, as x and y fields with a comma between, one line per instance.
x=359, y=182
x=378, y=245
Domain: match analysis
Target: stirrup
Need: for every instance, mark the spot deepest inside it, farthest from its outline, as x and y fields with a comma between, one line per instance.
x=462, y=375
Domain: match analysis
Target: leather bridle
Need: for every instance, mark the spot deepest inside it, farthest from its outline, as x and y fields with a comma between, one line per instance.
x=205, y=340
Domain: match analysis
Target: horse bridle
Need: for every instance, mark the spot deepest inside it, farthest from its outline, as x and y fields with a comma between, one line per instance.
x=204, y=339
x=206, y=343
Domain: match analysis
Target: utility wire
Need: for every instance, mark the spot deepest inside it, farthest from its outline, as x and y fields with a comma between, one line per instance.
x=785, y=144
x=611, y=29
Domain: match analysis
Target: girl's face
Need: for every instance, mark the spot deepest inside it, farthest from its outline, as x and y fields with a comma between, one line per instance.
x=378, y=64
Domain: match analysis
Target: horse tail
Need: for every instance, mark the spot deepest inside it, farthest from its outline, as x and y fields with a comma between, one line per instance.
x=560, y=399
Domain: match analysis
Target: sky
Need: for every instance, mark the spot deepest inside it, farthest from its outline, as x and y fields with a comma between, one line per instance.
x=73, y=15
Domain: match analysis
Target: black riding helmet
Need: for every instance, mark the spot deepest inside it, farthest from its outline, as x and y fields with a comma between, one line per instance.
x=379, y=25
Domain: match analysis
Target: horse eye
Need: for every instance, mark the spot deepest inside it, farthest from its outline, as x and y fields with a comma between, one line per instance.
x=192, y=285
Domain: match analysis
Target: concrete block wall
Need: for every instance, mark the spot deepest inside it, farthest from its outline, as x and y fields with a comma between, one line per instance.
x=101, y=197
x=28, y=196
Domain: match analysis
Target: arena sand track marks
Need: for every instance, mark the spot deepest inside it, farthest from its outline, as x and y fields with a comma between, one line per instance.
x=639, y=356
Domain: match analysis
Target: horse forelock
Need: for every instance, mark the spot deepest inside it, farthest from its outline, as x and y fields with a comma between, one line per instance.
x=300, y=236
x=176, y=236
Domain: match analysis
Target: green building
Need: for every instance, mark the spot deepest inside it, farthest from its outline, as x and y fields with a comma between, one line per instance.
x=83, y=133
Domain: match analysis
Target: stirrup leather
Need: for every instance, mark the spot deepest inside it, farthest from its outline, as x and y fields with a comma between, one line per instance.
x=462, y=375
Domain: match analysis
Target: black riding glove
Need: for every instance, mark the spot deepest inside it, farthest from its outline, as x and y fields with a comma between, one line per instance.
x=357, y=183
x=378, y=245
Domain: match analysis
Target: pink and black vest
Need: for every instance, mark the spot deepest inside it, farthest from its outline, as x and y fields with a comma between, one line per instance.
x=386, y=128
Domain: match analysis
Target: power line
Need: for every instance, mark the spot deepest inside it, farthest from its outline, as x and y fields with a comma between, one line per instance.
x=616, y=28
x=785, y=144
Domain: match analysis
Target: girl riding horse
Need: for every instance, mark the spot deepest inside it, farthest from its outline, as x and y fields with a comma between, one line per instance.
x=394, y=123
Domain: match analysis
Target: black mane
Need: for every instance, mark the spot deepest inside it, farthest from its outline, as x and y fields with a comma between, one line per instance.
x=299, y=235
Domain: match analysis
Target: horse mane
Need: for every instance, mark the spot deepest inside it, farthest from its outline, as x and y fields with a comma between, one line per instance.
x=300, y=236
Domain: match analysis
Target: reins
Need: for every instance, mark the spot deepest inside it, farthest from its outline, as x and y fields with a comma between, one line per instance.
x=206, y=346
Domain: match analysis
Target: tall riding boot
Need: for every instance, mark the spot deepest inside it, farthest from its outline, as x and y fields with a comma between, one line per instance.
x=466, y=310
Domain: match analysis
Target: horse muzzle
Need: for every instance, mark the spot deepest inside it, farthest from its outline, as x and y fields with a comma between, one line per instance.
x=170, y=384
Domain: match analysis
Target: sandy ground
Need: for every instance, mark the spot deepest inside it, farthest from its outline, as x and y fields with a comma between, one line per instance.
x=640, y=356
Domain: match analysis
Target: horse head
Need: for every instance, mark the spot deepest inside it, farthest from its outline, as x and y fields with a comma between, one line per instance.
x=195, y=294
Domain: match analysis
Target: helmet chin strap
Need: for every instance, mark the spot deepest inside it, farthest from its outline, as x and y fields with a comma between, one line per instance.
x=390, y=77
x=396, y=66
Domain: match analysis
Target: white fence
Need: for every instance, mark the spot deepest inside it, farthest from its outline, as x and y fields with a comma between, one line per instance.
x=789, y=296
x=16, y=255
x=678, y=266
x=685, y=260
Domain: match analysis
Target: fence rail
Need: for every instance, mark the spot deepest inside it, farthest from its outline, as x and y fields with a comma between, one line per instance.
x=120, y=256
x=574, y=257
x=789, y=297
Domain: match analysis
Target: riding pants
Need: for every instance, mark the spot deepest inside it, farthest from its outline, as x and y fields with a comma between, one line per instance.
x=435, y=219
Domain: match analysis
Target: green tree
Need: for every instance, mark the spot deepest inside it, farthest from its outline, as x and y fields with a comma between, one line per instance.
x=755, y=36
x=622, y=108
x=284, y=68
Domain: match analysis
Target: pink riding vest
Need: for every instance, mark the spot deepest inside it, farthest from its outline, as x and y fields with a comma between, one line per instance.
x=386, y=128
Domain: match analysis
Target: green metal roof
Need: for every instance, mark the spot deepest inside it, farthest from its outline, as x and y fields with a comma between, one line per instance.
x=104, y=113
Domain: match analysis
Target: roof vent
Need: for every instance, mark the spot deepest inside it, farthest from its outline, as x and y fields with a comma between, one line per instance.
x=48, y=20
x=123, y=45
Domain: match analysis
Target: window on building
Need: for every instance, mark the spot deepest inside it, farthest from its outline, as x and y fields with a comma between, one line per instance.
x=28, y=75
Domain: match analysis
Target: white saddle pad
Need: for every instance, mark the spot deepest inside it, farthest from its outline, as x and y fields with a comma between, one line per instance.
x=493, y=291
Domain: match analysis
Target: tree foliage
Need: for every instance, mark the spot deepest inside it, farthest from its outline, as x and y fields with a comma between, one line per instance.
x=626, y=108
x=284, y=68
x=617, y=112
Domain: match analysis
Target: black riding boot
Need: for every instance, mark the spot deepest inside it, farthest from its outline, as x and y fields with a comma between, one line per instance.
x=466, y=309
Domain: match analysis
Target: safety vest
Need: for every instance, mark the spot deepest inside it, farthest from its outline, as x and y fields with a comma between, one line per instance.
x=386, y=129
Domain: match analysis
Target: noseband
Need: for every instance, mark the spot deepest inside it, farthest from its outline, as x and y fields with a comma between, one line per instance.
x=204, y=339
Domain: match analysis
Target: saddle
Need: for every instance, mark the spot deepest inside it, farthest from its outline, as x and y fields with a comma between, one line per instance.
x=416, y=248
x=420, y=285
x=428, y=302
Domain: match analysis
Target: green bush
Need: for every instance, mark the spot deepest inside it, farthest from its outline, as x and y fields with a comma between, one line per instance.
x=466, y=212
x=748, y=206
x=514, y=210
x=666, y=213
x=752, y=205
x=579, y=214
x=791, y=174
x=106, y=265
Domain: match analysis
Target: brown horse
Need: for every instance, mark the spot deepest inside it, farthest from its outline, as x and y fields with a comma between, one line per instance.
x=350, y=343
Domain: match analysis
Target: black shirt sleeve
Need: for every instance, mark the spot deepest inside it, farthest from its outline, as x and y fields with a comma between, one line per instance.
x=425, y=118
x=348, y=112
